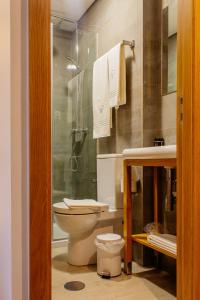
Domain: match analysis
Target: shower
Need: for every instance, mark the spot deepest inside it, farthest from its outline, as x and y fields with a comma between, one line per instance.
x=74, y=150
x=67, y=25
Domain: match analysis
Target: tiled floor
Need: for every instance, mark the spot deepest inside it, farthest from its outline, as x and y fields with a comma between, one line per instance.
x=144, y=284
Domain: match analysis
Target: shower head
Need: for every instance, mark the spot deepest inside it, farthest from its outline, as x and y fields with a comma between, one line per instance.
x=72, y=65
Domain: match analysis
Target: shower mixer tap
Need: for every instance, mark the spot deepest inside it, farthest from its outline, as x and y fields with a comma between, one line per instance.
x=74, y=130
x=79, y=134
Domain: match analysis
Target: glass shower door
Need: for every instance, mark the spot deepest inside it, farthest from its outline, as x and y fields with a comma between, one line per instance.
x=73, y=148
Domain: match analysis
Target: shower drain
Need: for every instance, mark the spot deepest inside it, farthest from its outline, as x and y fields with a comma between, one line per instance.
x=74, y=285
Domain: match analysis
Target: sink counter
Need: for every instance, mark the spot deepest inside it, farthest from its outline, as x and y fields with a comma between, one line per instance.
x=161, y=152
x=154, y=157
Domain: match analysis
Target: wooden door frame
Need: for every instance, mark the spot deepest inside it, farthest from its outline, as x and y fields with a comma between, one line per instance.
x=40, y=149
x=188, y=156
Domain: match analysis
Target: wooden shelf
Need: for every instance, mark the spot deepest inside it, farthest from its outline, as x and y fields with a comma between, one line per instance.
x=142, y=239
x=156, y=164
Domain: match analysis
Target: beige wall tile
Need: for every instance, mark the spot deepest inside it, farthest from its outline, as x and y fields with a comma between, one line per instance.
x=114, y=21
x=144, y=117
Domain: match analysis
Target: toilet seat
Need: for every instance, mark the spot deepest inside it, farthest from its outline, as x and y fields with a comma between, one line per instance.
x=61, y=208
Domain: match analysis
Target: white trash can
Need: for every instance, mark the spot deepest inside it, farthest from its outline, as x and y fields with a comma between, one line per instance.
x=109, y=248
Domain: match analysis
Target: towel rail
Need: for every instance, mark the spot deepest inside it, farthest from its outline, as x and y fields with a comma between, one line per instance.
x=131, y=44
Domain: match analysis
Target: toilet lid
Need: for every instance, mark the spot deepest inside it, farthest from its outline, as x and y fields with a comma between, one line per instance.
x=63, y=209
x=108, y=237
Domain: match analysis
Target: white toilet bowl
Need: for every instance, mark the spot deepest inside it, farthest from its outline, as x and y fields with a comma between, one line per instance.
x=83, y=224
x=84, y=219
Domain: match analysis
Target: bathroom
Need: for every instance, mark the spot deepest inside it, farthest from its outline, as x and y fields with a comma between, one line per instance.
x=81, y=33
x=99, y=203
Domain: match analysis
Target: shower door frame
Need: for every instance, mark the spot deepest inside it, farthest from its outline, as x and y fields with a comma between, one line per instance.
x=188, y=154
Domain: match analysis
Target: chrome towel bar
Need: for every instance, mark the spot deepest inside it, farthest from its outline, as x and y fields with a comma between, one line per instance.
x=131, y=44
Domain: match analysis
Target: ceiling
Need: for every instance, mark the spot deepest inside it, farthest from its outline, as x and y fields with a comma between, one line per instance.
x=70, y=9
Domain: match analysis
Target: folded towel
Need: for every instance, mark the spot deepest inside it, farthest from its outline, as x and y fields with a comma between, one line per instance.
x=167, y=239
x=164, y=247
x=173, y=251
x=117, y=76
x=164, y=241
x=101, y=108
x=88, y=203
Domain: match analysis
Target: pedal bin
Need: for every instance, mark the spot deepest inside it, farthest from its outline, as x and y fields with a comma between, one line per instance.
x=109, y=248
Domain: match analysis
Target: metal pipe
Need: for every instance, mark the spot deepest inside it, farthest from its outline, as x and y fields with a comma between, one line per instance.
x=168, y=197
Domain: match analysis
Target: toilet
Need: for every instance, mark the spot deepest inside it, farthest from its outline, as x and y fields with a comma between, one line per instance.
x=84, y=220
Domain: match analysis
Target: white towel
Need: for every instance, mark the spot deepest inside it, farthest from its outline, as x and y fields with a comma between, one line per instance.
x=80, y=203
x=101, y=108
x=85, y=203
x=161, y=244
x=117, y=76
x=164, y=247
x=165, y=241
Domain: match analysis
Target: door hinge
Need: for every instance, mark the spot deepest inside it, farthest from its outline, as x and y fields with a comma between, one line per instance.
x=181, y=108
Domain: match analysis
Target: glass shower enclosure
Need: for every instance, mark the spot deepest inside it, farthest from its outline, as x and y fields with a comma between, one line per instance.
x=73, y=147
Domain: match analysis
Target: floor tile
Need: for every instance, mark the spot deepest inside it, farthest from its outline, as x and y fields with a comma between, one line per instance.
x=144, y=284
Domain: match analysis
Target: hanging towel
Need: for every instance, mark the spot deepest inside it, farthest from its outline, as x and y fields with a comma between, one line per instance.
x=101, y=108
x=117, y=76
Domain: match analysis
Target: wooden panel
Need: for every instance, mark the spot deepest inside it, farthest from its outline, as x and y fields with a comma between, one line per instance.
x=167, y=162
x=155, y=194
x=142, y=239
x=196, y=152
x=184, y=152
x=188, y=160
x=40, y=149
